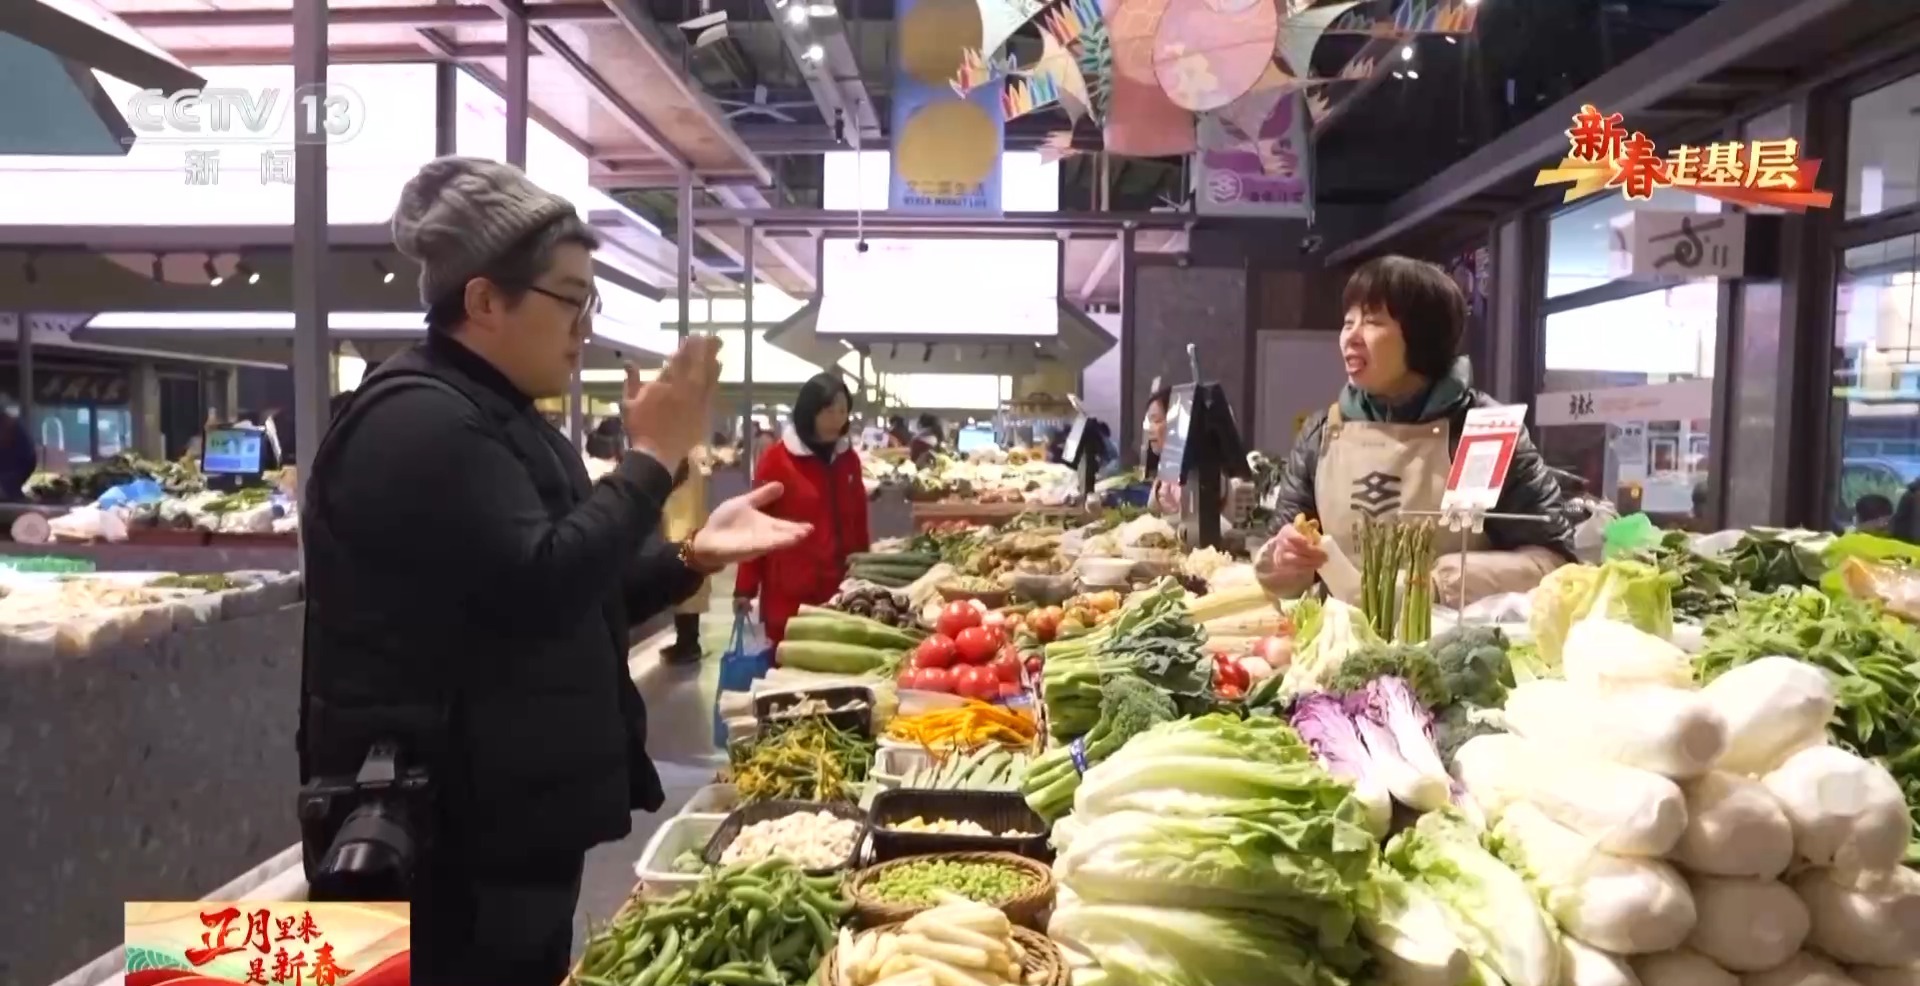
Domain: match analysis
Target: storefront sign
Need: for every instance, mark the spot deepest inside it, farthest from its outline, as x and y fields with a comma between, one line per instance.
x=1683, y=400
x=1630, y=451
x=1649, y=244
x=1603, y=154
x=1481, y=460
x=1264, y=174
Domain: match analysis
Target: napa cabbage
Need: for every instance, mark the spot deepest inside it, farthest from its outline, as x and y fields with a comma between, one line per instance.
x=1488, y=905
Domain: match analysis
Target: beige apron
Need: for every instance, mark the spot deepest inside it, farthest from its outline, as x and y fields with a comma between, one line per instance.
x=685, y=511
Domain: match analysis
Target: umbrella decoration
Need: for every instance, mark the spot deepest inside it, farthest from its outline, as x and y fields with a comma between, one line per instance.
x=1164, y=77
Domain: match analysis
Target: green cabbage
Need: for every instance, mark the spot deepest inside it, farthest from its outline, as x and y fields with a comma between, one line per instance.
x=1170, y=946
x=1488, y=905
x=1630, y=592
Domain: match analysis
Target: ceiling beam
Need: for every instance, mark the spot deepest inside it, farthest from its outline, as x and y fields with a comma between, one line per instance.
x=1708, y=47
x=356, y=55
x=752, y=198
x=439, y=44
x=398, y=15
x=833, y=78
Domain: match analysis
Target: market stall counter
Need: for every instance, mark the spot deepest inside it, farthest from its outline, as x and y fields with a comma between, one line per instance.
x=146, y=740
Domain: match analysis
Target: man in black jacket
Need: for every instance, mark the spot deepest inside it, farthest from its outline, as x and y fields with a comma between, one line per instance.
x=469, y=593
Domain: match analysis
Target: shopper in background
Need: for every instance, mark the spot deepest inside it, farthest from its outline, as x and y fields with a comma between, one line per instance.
x=18, y=457
x=1872, y=513
x=1386, y=445
x=820, y=474
x=603, y=448
x=686, y=511
x=897, y=434
x=469, y=593
x=928, y=439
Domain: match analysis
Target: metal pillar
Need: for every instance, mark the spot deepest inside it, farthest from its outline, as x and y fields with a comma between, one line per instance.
x=746, y=318
x=518, y=49
x=446, y=108
x=23, y=349
x=684, y=250
x=311, y=354
x=1129, y=290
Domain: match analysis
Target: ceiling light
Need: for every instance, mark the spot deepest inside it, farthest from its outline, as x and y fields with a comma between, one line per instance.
x=386, y=275
x=1411, y=74
x=1473, y=3
x=797, y=15
x=1451, y=39
x=815, y=53
x=822, y=10
x=1399, y=75
x=213, y=273
x=1406, y=53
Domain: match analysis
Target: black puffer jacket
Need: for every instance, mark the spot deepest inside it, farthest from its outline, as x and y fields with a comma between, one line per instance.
x=1531, y=489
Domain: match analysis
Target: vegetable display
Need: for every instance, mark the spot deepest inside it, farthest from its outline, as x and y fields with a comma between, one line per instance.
x=969, y=727
x=989, y=768
x=802, y=760
x=763, y=924
x=959, y=943
x=890, y=570
x=1128, y=706
x=1154, y=638
x=1396, y=579
x=813, y=840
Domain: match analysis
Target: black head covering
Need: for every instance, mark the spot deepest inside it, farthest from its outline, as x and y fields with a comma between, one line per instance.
x=815, y=395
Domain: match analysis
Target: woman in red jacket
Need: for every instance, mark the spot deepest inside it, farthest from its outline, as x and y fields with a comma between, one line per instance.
x=820, y=473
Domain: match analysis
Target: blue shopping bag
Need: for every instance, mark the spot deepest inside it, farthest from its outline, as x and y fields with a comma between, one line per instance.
x=748, y=658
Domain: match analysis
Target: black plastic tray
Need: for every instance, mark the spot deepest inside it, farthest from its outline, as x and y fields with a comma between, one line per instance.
x=742, y=817
x=853, y=720
x=996, y=811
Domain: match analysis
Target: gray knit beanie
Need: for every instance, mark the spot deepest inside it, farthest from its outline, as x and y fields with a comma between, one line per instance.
x=461, y=213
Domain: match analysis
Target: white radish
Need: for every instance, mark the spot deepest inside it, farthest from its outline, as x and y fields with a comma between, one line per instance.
x=1619, y=904
x=1803, y=969
x=1864, y=917
x=1747, y=925
x=1846, y=811
x=1734, y=828
x=1774, y=707
x=1681, y=967
x=1670, y=732
x=1625, y=811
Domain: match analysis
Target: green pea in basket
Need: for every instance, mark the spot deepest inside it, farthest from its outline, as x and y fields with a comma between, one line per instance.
x=1027, y=908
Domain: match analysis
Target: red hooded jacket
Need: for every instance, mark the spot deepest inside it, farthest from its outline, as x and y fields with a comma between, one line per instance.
x=831, y=497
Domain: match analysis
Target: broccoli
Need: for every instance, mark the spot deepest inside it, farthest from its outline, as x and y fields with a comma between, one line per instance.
x=1129, y=705
x=1415, y=664
x=1473, y=662
x=1455, y=725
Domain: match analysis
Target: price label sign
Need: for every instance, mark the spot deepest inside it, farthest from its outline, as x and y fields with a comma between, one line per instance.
x=1481, y=460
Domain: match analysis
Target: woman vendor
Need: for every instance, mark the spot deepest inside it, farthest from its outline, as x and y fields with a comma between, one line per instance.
x=1386, y=445
x=1165, y=497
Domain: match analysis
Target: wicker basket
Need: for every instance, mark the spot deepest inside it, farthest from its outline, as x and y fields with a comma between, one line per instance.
x=1028, y=909
x=1043, y=956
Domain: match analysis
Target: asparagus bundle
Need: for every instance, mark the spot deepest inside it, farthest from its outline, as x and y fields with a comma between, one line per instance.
x=1394, y=555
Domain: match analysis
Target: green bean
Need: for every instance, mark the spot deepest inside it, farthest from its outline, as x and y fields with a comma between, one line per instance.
x=757, y=897
x=586, y=980
x=822, y=932
x=669, y=915
x=790, y=946
x=737, y=977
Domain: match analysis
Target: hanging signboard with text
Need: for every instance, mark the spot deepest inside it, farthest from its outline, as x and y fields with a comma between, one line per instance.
x=1263, y=170
x=1682, y=400
x=1650, y=245
x=1481, y=460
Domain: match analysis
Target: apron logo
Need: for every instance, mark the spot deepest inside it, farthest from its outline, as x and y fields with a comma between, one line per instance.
x=1376, y=494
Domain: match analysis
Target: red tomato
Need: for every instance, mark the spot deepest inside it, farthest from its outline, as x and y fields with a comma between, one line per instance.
x=975, y=645
x=956, y=617
x=936, y=680
x=1001, y=635
x=1228, y=674
x=976, y=682
x=1035, y=665
x=1009, y=689
x=934, y=652
x=1006, y=667
x=1232, y=694
x=909, y=678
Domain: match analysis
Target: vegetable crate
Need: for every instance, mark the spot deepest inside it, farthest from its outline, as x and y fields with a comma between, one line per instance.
x=768, y=706
x=767, y=811
x=995, y=811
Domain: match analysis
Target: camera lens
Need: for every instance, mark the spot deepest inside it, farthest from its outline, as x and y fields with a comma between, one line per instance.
x=372, y=858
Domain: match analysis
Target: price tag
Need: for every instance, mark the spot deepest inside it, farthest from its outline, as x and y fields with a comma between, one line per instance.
x=1481, y=460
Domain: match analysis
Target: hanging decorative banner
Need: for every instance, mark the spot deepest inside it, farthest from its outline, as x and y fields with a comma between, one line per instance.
x=1302, y=32
x=946, y=147
x=1141, y=120
x=1206, y=58
x=1263, y=174
x=1000, y=18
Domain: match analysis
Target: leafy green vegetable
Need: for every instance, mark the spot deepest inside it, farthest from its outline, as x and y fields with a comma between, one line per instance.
x=1873, y=659
x=1154, y=637
x=1630, y=592
x=1456, y=724
x=1702, y=586
x=1128, y=706
x=1487, y=904
x=1169, y=946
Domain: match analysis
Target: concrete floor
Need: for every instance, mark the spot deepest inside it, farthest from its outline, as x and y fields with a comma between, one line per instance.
x=680, y=738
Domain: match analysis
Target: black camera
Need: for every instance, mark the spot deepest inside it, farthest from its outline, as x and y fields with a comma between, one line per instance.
x=364, y=835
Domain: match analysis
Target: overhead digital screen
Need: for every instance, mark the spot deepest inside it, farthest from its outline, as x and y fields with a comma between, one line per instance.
x=923, y=288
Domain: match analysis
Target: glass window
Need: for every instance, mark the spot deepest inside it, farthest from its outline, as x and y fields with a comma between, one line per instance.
x=114, y=426
x=66, y=427
x=1774, y=124
x=1580, y=240
x=1625, y=402
x=1883, y=149
x=1874, y=377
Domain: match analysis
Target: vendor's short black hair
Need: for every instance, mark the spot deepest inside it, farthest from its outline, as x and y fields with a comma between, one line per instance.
x=1427, y=303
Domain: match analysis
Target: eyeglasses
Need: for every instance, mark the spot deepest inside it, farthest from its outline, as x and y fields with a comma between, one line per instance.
x=584, y=308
